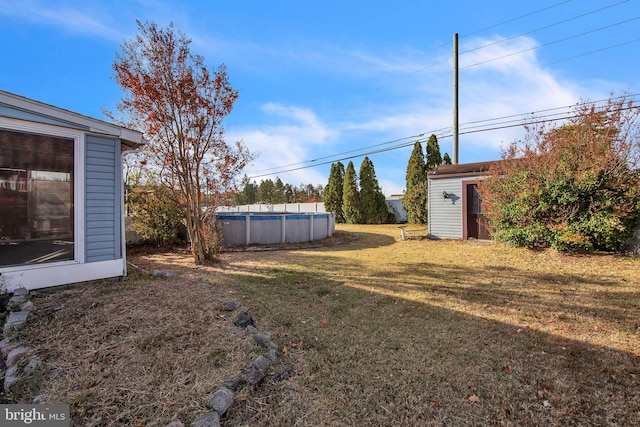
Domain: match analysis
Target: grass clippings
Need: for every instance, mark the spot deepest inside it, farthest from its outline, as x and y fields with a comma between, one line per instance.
x=373, y=331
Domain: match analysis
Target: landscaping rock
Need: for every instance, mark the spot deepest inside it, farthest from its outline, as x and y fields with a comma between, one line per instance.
x=17, y=354
x=261, y=363
x=41, y=398
x=251, y=330
x=273, y=354
x=262, y=339
x=243, y=319
x=15, y=321
x=221, y=400
x=6, y=346
x=177, y=423
x=162, y=274
x=230, y=305
x=20, y=292
x=233, y=383
x=11, y=377
x=207, y=419
x=28, y=306
x=252, y=375
x=18, y=299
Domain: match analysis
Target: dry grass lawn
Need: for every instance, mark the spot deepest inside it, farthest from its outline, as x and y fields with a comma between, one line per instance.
x=375, y=331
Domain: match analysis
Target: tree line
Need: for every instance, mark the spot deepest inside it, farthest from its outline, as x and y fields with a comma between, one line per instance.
x=276, y=192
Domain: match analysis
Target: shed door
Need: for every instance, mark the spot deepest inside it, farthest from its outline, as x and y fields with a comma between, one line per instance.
x=476, y=221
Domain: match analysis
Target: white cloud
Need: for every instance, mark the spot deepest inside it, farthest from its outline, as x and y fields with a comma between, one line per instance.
x=293, y=139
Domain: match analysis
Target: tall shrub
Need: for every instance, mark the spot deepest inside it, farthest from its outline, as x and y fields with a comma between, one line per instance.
x=373, y=205
x=415, y=196
x=351, y=196
x=572, y=187
x=333, y=191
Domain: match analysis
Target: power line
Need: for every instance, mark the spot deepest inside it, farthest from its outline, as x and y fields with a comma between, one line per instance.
x=545, y=27
x=553, y=42
x=539, y=46
x=467, y=130
x=480, y=31
x=515, y=19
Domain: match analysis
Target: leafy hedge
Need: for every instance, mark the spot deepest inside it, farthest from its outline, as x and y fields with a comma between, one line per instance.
x=574, y=187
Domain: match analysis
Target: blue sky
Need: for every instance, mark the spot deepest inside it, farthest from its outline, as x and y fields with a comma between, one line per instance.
x=317, y=79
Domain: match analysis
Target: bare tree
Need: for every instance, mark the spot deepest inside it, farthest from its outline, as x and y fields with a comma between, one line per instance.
x=180, y=104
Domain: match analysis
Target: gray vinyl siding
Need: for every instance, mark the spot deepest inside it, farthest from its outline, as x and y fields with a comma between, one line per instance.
x=445, y=215
x=102, y=199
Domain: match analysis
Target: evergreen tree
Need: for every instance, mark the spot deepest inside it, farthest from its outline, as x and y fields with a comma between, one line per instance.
x=289, y=193
x=434, y=159
x=278, y=192
x=373, y=205
x=350, y=196
x=333, y=191
x=415, y=198
x=266, y=191
x=446, y=160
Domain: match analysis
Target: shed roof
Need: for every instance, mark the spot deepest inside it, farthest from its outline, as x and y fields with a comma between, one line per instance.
x=11, y=103
x=465, y=169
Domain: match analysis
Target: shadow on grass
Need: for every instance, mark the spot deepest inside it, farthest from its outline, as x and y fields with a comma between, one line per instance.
x=431, y=344
x=401, y=351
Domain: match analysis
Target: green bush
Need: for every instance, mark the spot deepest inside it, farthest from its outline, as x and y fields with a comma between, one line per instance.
x=156, y=216
x=575, y=187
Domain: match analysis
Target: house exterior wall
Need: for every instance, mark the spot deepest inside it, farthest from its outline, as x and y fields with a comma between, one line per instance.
x=102, y=199
x=97, y=194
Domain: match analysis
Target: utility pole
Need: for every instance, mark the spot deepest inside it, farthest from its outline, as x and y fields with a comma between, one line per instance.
x=455, y=99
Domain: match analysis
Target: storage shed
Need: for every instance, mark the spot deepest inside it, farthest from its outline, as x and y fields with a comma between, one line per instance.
x=61, y=195
x=454, y=205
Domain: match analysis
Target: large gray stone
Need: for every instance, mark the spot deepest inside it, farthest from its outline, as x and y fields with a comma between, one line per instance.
x=17, y=354
x=243, y=319
x=177, y=423
x=262, y=339
x=233, y=383
x=15, y=321
x=11, y=377
x=261, y=363
x=252, y=375
x=28, y=306
x=18, y=299
x=230, y=305
x=207, y=419
x=221, y=400
x=20, y=291
x=6, y=346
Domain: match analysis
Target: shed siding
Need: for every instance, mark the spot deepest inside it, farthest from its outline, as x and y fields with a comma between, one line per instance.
x=102, y=199
x=445, y=215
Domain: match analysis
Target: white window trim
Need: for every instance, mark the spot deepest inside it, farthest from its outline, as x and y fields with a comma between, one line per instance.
x=79, y=143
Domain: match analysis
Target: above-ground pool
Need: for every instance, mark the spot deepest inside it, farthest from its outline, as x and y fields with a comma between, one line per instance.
x=263, y=228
